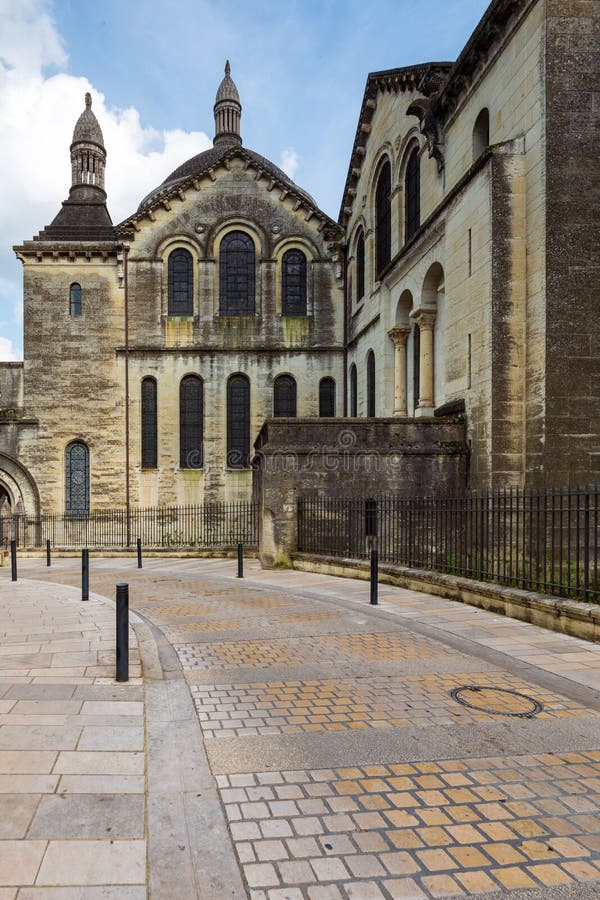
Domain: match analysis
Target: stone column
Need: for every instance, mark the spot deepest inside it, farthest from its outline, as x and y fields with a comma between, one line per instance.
x=426, y=321
x=398, y=335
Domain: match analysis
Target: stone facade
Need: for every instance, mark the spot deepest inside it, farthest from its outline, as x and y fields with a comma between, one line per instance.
x=461, y=277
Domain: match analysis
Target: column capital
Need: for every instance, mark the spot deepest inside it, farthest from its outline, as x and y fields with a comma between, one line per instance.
x=425, y=319
x=398, y=335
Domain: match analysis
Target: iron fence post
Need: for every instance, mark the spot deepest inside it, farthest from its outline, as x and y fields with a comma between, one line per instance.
x=122, y=632
x=85, y=574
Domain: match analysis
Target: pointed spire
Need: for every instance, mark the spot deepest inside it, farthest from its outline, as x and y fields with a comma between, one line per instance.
x=228, y=111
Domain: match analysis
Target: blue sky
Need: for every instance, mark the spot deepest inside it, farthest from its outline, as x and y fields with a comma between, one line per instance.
x=153, y=69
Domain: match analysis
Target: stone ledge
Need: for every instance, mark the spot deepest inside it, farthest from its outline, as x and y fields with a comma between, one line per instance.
x=580, y=620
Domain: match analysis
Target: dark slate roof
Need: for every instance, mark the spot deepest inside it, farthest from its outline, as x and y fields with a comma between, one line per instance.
x=201, y=163
x=82, y=217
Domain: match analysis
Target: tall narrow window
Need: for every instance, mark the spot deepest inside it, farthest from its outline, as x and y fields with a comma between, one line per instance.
x=236, y=275
x=238, y=422
x=383, y=218
x=77, y=479
x=416, y=365
x=181, y=283
x=353, y=391
x=370, y=383
x=75, y=300
x=284, y=396
x=360, y=267
x=412, y=194
x=293, y=283
x=149, y=424
x=327, y=398
x=191, y=423
x=481, y=133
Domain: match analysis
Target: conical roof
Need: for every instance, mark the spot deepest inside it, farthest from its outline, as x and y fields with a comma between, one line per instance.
x=87, y=130
x=227, y=89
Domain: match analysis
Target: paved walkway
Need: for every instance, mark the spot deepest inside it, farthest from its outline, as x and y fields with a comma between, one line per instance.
x=299, y=744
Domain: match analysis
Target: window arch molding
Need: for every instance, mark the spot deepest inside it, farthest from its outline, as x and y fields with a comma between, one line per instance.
x=381, y=206
x=310, y=253
x=163, y=252
x=412, y=152
x=214, y=242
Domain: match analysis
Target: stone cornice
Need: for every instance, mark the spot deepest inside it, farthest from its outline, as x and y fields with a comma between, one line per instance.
x=70, y=250
x=426, y=78
x=285, y=190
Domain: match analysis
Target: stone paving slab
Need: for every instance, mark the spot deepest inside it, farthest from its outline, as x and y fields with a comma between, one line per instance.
x=386, y=796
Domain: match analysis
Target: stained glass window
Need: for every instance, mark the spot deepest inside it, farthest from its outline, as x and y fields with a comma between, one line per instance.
x=327, y=398
x=284, y=396
x=412, y=193
x=191, y=424
x=149, y=424
x=181, y=283
x=75, y=300
x=238, y=422
x=77, y=461
x=293, y=283
x=383, y=218
x=236, y=275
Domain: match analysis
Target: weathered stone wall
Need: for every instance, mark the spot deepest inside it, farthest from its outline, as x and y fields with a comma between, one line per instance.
x=349, y=457
x=572, y=440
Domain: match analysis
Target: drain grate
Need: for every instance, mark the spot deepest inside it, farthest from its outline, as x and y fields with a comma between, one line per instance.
x=497, y=701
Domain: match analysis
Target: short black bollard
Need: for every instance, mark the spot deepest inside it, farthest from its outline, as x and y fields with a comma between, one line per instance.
x=48, y=555
x=374, y=562
x=122, y=632
x=85, y=574
x=240, y=555
x=13, y=560
x=139, y=552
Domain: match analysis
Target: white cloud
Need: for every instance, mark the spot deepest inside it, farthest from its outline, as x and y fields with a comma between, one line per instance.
x=8, y=353
x=289, y=161
x=37, y=116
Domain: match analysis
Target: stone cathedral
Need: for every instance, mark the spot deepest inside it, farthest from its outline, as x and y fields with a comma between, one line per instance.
x=458, y=289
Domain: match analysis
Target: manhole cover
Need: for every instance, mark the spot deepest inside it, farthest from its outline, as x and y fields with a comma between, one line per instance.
x=497, y=701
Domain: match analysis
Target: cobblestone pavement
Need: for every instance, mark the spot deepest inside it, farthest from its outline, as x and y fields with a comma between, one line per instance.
x=419, y=749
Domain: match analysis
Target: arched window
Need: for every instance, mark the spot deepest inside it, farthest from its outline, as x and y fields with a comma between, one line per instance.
x=293, y=283
x=181, y=283
x=412, y=194
x=360, y=267
x=481, y=133
x=75, y=300
x=416, y=365
x=191, y=423
x=238, y=422
x=284, y=396
x=77, y=479
x=149, y=424
x=327, y=398
x=236, y=275
x=353, y=391
x=370, y=383
x=383, y=218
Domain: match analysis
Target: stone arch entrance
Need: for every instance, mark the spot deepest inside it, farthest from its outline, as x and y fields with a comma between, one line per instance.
x=18, y=490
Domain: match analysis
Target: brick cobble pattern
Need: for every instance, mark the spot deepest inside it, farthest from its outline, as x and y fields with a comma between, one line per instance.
x=286, y=707
x=424, y=829
x=328, y=649
x=257, y=622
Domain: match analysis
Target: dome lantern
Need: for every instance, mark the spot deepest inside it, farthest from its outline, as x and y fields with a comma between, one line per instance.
x=88, y=154
x=228, y=111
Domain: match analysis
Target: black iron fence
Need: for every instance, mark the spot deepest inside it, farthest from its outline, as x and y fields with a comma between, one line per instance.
x=209, y=525
x=542, y=540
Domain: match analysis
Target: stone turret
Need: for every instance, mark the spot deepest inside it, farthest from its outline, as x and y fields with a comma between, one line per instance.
x=228, y=111
x=84, y=216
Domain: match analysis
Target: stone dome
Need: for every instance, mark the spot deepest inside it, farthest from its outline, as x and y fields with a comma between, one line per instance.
x=87, y=130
